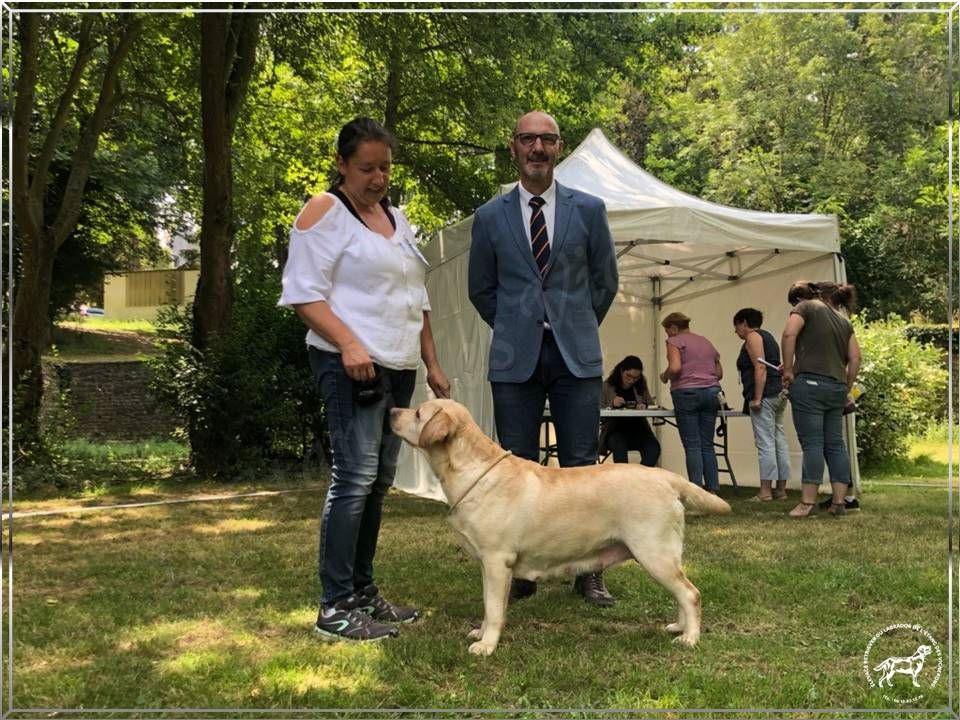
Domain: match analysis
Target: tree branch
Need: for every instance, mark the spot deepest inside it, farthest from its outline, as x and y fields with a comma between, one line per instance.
x=82, y=158
x=479, y=149
x=28, y=217
x=247, y=28
x=62, y=114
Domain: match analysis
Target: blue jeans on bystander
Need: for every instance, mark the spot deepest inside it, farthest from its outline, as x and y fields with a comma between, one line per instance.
x=696, y=415
x=817, y=403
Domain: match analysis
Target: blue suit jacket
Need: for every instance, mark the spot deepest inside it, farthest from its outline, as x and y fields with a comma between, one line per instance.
x=574, y=293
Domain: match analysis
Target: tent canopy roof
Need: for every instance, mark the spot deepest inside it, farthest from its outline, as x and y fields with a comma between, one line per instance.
x=664, y=232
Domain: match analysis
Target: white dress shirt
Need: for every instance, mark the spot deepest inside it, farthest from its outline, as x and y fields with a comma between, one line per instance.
x=372, y=283
x=549, y=209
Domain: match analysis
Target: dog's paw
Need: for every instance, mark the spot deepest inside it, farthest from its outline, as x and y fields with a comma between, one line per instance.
x=688, y=640
x=482, y=648
x=674, y=628
x=475, y=634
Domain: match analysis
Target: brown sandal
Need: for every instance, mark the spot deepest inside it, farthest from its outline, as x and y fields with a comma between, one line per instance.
x=804, y=510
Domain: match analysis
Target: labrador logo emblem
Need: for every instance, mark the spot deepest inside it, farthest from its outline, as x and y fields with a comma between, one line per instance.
x=900, y=674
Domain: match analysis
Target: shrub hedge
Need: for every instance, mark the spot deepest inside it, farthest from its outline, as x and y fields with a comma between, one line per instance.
x=905, y=386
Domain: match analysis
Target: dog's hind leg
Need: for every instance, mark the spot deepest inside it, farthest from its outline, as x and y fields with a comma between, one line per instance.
x=671, y=576
x=664, y=567
x=496, y=590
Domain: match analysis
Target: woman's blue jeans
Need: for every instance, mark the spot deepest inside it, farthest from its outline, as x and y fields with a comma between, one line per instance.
x=696, y=414
x=817, y=403
x=364, y=464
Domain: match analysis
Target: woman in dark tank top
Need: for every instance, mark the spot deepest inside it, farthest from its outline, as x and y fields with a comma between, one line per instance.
x=762, y=399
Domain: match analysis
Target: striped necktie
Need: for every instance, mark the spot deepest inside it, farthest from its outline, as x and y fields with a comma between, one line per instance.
x=539, y=242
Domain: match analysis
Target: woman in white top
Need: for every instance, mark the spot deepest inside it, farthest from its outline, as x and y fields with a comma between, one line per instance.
x=355, y=277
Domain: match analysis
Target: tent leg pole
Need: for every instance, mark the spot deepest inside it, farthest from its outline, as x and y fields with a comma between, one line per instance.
x=850, y=422
x=655, y=282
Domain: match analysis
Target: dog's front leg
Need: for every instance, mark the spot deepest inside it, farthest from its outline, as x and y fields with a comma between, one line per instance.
x=496, y=589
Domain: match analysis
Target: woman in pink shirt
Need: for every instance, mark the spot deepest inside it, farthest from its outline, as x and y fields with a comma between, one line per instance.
x=694, y=373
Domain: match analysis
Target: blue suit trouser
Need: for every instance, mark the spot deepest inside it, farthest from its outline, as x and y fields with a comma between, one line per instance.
x=574, y=410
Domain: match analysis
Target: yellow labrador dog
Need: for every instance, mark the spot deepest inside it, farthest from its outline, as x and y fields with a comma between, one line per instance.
x=523, y=520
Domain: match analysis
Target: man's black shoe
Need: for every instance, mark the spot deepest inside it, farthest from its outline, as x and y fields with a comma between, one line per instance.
x=345, y=621
x=521, y=589
x=590, y=586
x=850, y=503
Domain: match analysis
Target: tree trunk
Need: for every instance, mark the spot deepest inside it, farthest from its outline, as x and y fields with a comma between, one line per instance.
x=228, y=43
x=227, y=57
x=40, y=240
x=30, y=320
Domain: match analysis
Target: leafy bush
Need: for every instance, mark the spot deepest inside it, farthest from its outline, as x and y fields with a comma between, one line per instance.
x=938, y=335
x=249, y=399
x=905, y=388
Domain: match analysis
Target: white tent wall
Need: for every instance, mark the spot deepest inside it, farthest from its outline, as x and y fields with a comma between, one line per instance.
x=632, y=328
x=704, y=259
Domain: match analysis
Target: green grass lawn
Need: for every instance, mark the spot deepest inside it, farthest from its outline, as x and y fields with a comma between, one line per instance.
x=99, y=339
x=211, y=605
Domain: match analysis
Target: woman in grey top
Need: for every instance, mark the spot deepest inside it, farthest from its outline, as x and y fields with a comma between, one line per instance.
x=821, y=358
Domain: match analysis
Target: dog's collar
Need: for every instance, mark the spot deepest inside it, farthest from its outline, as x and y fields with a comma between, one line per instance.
x=480, y=477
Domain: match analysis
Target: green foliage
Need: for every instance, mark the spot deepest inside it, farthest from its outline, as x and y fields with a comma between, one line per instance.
x=938, y=335
x=250, y=397
x=798, y=112
x=905, y=388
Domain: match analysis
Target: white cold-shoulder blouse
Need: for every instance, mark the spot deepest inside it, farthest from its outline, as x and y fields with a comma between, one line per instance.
x=374, y=284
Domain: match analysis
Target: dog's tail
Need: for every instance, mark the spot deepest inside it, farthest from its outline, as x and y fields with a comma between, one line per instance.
x=696, y=498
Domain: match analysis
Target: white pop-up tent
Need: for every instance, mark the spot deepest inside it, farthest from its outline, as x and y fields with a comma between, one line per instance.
x=675, y=252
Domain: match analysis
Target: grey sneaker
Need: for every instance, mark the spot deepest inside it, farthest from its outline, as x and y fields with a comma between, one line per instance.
x=344, y=620
x=373, y=604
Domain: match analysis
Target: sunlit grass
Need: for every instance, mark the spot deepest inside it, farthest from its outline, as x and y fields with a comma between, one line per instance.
x=211, y=604
x=927, y=461
x=143, y=327
x=114, y=450
x=102, y=340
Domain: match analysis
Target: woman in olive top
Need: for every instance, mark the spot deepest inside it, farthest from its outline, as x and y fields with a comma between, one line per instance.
x=821, y=358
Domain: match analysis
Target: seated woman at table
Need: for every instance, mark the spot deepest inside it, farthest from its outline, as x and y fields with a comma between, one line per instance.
x=626, y=387
x=694, y=373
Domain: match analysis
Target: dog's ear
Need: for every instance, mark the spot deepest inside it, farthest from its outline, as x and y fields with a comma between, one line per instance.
x=436, y=430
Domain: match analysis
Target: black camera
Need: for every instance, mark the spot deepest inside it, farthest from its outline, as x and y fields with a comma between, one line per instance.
x=369, y=392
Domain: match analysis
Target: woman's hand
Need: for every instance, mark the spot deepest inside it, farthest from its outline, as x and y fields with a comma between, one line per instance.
x=787, y=376
x=437, y=380
x=756, y=405
x=617, y=402
x=356, y=362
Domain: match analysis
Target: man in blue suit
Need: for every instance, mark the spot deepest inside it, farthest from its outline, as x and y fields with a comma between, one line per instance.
x=543, y=273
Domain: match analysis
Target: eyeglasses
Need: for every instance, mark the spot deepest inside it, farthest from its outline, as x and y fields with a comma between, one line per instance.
x=528, y=139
